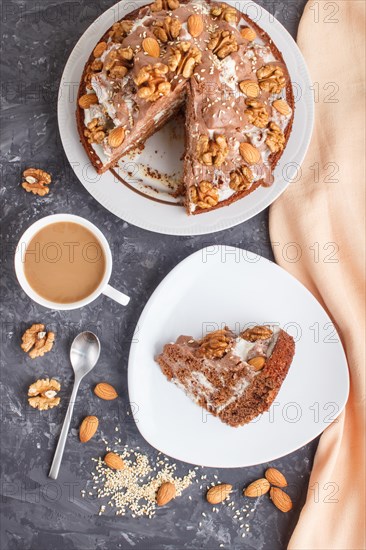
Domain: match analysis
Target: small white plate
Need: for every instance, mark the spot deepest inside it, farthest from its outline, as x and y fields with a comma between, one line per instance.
x=224, y=285
x=132, y=192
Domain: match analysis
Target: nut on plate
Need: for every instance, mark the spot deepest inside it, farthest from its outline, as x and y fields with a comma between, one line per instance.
x=257, y=488
x=218, y=493
x=105, y=391
x=36, y=341
x=36, y=181
x=114, y=461
x=275, y=477
x=166, y=493
x=42, y=394
x=280, y=499
x=88, y=428
x=260, y=332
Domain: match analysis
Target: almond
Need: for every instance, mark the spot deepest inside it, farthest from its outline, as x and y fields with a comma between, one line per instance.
x=280, y=499
x=151, y=46
x=250, y=154
x=250, y=88
x=86, y=100
x=218, y=493
x=116, y=137
x=195, y=25
x=248, y=34
x=257, y=488
x=88, y=428
x=282, y=107
x=100, y=49
x=114, y=461
x=275, y=477
x=166, y=493
x=105, y=391
x=257, y=363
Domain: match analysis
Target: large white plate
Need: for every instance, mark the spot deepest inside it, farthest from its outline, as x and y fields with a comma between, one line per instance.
x=131, y=202
x=224, y=285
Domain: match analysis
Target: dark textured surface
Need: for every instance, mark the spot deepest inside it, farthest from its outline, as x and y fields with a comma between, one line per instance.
x=38, y=513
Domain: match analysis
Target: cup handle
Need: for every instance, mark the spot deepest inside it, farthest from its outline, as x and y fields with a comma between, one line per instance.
x=116, y=295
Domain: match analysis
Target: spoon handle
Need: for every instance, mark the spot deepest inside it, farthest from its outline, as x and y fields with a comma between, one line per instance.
x=56, y=463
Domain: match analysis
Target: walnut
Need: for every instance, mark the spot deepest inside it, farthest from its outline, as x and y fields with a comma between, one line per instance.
x=184, y=58
x=224, y=12
x=215, y=344
x=167, y=30
x=95, y=132
x=222, y=43
x=42, y=394
x=36, y=181
x=257, y=333
x=257, y=113
x=212, y=152
x=271, y=79
x=118, y=62
x=120, y=30
x=241, y=179
x=36, y=341
x=205, y=195
x=160, y=5
x=152, y=81
x=275, y=138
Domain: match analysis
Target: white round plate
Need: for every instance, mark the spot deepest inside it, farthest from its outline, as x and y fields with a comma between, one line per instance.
x=135, y=200
x=220, y=286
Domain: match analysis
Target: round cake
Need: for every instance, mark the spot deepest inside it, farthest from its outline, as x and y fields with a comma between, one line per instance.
x=209, y=60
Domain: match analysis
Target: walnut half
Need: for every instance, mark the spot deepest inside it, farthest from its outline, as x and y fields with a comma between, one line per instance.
x=271, y=79
x=184, y=58
x=224, y=12
x=160, y=5
x=36, y=181
x=257, y=113
x=215, y=344
x=275, y=138
x=152, y=81
x=205, y=195
x=241, y=179
x=42, y=394
x=212, y=152
x=222, y=43
x=36, y=341
x=259, y=332
x=167, y=30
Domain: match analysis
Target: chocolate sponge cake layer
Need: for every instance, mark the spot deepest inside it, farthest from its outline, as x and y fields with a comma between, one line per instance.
x=209, y=59
x=236, y=382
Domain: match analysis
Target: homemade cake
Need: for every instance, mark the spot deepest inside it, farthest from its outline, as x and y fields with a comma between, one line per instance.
x=233, y=377
x=216, y=64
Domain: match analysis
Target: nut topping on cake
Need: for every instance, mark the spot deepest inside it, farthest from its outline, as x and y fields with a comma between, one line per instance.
x=275, y=138
x=160, y=5
x=99, y=49
x=120, y=30
x=248, y=34
x=259, y=332
x=222, y=43
x=212, y=152
x=205, y=195
x=86, y=100
x=152, y=81
x=215, y=344
x=167, y=30
x=249, y=88
x=151, y=46
x=257, y=113
x=118, y=62
x=250, y=154
x=282, y=107
x=224, y=12
x=184, y=58
x=95, y=132
x=241, y=179
x=257, y=363
x=195, y=25
x=116, y=137
x=271, y=79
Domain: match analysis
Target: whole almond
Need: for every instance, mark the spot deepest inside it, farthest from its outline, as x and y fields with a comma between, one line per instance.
x=105, y=391
x=116, y=137
x=280, y=499
x=88, y=428
x=166, y=493
x=282, y=107
x=86, y=100
x=151, y=46
x=275, y=477
x=114, y=461
x=250, y=154
x=250, y=88
x=248, y=34
x=100, y=49
x=218, y=493
x=257, y=488
x=257, y=363
x=195, y=25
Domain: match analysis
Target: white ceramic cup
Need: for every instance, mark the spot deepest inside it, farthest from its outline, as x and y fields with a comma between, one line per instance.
x=103, y=287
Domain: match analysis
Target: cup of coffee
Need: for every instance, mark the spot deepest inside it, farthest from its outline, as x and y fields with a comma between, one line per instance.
x=64, y=262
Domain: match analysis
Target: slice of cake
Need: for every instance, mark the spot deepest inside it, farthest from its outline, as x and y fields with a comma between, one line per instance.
x=233, y=377
x=208, y=59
